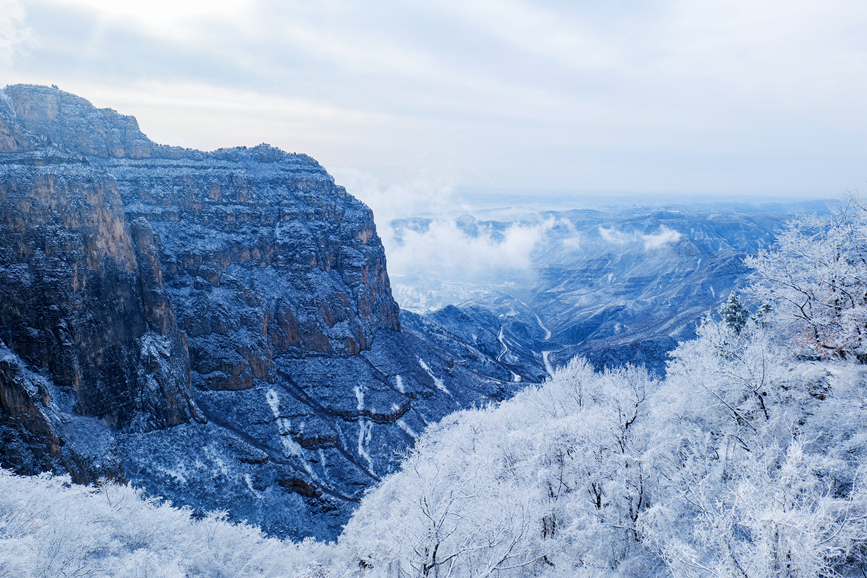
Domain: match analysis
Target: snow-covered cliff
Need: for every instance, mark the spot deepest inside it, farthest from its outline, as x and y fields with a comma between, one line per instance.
x=223, y=319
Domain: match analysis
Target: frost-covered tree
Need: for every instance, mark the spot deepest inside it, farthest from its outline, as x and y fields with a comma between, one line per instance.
x=549, y=483
x=816, y=277
x=742, y=484
x=734, y=314
x=456, y=508
x=50, y=528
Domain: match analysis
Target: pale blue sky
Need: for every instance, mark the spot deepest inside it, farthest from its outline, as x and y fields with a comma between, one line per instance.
x=682, y=96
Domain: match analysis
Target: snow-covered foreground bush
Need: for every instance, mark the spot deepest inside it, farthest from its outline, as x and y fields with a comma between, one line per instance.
x=744, y=461
x=816, y=276
x=550, y=480
x=51, y=528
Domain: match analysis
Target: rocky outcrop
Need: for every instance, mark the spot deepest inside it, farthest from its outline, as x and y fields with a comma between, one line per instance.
x=40, y=116
x=30, y=442
x=243, y=222
x=264, y=257
x=131, y=271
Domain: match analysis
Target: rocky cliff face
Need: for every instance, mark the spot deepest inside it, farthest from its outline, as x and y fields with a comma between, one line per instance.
x=72, y=302
x=265, y=257
x=223, y=319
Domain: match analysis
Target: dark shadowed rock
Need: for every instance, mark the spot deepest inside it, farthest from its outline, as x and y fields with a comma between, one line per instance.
x=37, y=435
x=72, y=296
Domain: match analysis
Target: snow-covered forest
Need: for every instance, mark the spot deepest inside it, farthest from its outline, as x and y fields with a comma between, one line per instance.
x=747, y=459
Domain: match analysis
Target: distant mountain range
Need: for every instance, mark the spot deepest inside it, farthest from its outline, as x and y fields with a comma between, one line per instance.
x=615, y=286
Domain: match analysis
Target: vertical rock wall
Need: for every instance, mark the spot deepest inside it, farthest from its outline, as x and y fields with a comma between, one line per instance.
x=72, y=303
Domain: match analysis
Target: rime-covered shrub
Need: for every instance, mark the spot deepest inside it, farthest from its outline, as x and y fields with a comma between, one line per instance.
x=50, y=527
x=744, y=461
x=816, y=277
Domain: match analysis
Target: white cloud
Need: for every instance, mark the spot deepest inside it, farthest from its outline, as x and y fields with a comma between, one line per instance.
x=613, y=236
x=664, y=236
x=420, y=195
x=444, y=248
x=771, y=47
x=660, y=239
x=168, y=19
x=541, y=30
x=678, y=96
x=573, y=243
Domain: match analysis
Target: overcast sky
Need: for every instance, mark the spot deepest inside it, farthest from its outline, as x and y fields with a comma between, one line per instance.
x=689, y=96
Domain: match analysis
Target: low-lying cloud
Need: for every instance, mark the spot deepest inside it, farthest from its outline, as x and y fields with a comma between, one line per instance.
x=446, y=249
x=442, y=246
x=658, y=240
x=418, y=196
x=613, y=236
x=662, y=238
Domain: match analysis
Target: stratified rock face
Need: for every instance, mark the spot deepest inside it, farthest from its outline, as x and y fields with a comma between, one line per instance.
x=130, y=269
x=264, y=257
x=72, y=303
x=256, y=243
